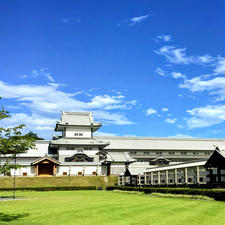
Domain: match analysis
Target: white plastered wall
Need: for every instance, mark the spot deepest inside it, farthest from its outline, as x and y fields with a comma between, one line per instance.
x=71, y=130
x=29, y=170
x=73, y=170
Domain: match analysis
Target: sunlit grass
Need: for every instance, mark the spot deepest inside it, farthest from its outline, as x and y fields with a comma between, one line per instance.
x=107, y=208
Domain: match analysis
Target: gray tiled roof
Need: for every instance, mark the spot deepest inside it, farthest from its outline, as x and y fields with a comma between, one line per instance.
x=78, y=119
x=177, y=166
x=80, y=141
x=136, y=170
x=119, y=157
x=222, y=152
x=146, y=143
x=80, y=163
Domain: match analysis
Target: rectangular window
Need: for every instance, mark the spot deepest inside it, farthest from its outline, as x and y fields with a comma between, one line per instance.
x=70, y=148
x=183, y=153
x=87, y=148
x=189, y=180
x=76, y=134
x=25, y=174
x=80, y=173
x=64, y=173
x=80, y=134
x=195, y=153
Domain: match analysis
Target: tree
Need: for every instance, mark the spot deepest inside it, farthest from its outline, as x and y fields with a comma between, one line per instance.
x=33, y=135
x=12, y=143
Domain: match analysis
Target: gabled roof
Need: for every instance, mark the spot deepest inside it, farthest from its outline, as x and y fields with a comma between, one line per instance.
x=79, y=141
x=177, y=166
x=160, y=158
x=134, y=171
x=70, y=158
x=119, y=157
x=217, y=159
x=77, y=119
x=152, y=143
x=45, y=158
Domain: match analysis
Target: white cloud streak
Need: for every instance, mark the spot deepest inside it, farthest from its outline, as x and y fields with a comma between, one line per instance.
x=164, y=109
x=215, y=86
x=171, y=121
x=163, y=37
x=181, y=136
x=138, y=19
x=47, y=101
x=177, y=75
x=220, y=66
x=150, y=111
x=206, y=116
x=160, y=72
x=179, y=56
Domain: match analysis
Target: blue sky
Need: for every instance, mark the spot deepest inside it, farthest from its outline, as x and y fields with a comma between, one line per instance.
x=144, y=68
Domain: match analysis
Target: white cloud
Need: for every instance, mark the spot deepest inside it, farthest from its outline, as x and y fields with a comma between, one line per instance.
x=206, y=116
x=181, y=136
x=33, y=121
x=220, y=66
x=138, y=19
x=104, y=100
x=177, y=75
x=175, y=55
x=164, y=109
x=179, y=56
x=160, y=72
x=168, y=120
x=150, y=111
x=50, y=100
x=215, y=86
x=163, y=37
x=134, y=20
x=100, y=133
x=205, y=59
x=111, y=118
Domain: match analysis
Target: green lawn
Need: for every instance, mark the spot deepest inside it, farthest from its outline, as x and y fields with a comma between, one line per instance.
x=105, y=207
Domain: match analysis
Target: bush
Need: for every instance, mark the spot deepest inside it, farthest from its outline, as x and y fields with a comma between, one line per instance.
x=212, y=193
x=51, y=188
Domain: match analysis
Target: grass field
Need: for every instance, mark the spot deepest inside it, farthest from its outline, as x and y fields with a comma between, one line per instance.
x=105, y=207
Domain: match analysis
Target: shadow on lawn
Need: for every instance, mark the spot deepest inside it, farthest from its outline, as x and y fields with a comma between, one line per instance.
x=8, y=217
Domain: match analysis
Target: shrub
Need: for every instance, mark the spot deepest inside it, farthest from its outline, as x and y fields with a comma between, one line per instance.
x=52, y=188
x=212, y=193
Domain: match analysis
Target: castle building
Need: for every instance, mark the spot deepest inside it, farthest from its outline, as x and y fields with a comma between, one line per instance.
x=76, y=151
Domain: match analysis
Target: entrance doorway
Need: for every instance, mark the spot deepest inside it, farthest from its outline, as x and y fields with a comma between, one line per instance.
x=45, y=166
x=45, y=169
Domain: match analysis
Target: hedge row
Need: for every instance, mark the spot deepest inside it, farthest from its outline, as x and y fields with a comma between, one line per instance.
x=216, y=194
x=52, y=188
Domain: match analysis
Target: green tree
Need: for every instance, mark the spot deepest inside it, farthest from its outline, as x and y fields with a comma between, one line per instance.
x=33, y=135
x=12, y=143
